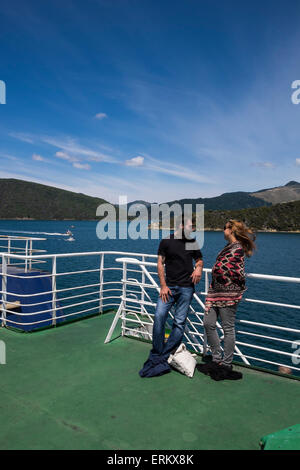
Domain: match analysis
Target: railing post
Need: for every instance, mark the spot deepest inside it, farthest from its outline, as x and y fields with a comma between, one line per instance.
x=124, y=295
x=26, y=254
x=101, y=283
x=54, y=290
x=30, y=254
x=4, y=289
x=206, y=282
x=143, y=291
x=8, y=249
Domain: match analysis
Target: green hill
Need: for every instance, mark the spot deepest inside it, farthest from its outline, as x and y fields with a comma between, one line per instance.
x=24, y=199
x=282, y=217
x=226, y=201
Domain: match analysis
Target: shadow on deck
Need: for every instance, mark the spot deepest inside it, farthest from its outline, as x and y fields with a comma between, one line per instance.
x=64, y=388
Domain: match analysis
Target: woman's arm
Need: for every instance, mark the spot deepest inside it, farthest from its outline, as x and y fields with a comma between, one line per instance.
x=235, y=265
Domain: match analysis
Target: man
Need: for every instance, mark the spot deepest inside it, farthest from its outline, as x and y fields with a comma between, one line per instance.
x=177, y=287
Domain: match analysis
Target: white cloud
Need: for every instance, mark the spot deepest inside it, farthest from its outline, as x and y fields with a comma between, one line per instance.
x=22, y=136
x=74, y=160
x=135, y=161
x=184, y=172
x=101, y=116
x=38, y=158
x=298, y=161
x=264, y=164
x=82, y=166
x=9, y=157
x=70, y=146
x=66, y=156
x=168, y=168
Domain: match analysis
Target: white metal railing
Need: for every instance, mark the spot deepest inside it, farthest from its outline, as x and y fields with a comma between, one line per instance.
x=78, y=284
x=69, y=291
x=138, y=323
x=11, y=245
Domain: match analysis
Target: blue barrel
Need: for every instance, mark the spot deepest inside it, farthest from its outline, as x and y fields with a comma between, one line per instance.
x=28, y=283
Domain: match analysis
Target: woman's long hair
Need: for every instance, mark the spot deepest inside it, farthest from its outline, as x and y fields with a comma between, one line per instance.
x=244, y=235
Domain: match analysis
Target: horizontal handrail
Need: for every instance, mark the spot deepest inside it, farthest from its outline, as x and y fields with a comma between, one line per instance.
x=17, y=237
x=84, y=253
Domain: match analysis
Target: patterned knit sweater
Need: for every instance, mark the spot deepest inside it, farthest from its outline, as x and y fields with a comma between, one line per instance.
x=228, y=277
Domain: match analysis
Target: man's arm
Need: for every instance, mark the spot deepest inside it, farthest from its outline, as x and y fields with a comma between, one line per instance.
x=197, y=273
x=164, y=290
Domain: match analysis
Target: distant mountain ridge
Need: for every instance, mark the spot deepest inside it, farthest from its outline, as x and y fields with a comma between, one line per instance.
x=27, y=200
x=241, y=199
x=227, y=201
x=288, y=193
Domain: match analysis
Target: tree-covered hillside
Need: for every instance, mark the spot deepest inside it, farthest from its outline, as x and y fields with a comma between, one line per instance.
x=283, y=217
x=23, y=199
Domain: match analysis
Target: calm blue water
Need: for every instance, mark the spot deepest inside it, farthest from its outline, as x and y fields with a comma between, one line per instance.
x=277, y=254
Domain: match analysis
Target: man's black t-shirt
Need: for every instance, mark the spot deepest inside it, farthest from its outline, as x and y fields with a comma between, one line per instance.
x=178, y=260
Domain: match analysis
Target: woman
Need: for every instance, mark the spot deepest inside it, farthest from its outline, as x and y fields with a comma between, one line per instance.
x=224, y=294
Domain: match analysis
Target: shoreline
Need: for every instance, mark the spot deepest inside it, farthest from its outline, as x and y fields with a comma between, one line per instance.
x=206, y=229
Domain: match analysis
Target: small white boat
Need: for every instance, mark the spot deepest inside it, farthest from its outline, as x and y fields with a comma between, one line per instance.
x=70, y=239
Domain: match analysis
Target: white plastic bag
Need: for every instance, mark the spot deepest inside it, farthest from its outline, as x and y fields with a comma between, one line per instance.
x=183, y=361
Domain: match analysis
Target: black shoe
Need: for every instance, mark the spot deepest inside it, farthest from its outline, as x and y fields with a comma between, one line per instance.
x=207, y=367
x=225, y=372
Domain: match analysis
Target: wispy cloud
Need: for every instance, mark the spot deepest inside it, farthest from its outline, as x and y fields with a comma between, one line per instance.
x=82, y=166
x=8, y=157
x=38, y=158
x=66, y=156
x=101, y=116
x=149, y=163
x=267, y=165
x=298, y=161
x=189, y=172
x=74, y=160
x=71, y=147
x=22, y=136
x=135, y=161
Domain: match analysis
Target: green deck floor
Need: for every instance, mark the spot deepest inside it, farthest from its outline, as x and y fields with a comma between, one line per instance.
x=64, y=388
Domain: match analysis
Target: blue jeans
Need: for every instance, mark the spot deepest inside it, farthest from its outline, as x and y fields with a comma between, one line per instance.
x=181, y=297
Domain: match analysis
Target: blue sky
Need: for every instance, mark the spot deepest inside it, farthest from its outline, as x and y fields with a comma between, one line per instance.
x=156, y=100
